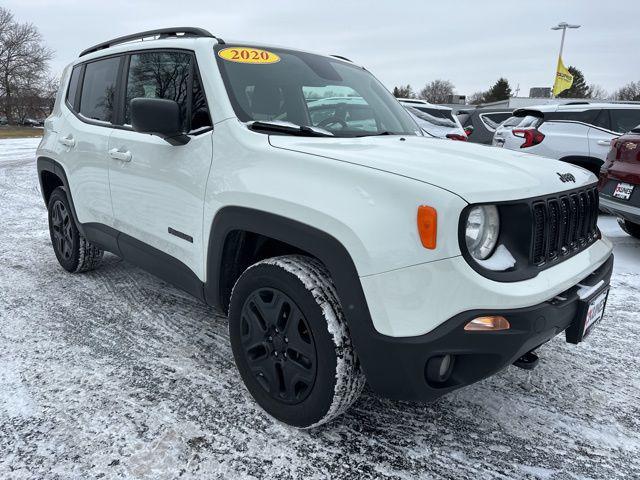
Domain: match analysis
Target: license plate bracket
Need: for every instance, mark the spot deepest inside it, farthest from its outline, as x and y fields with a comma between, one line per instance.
x=589, y=315
x=623, y=191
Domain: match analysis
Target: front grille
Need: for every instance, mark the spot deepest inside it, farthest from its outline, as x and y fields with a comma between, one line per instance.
x=564, y=225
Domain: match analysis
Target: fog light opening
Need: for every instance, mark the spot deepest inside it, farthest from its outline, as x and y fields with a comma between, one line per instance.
x=489, y=323
x=439, y=368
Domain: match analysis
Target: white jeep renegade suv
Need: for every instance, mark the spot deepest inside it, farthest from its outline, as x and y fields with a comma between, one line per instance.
x=343, y=244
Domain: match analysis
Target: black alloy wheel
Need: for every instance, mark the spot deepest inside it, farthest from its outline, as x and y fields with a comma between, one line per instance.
x=278, y=345
x=62, y=230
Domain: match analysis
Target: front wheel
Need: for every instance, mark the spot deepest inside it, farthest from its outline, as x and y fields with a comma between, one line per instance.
x=631, y=228
x=73, y=251
x=291, y=343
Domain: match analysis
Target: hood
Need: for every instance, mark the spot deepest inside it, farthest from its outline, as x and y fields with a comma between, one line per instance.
x=476, y=173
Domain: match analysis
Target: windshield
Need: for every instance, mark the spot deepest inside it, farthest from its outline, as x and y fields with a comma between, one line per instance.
x=310, y=90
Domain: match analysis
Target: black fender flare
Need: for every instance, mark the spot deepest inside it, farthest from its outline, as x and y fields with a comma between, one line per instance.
x=313, y=241
x=46, y=164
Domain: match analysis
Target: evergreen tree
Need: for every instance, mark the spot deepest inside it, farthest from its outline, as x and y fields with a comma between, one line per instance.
x=579, y=89
x=499, y=91
x=403, y=91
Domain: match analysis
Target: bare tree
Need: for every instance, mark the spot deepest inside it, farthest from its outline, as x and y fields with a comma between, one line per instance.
x=631, y=91
x=597, y=92
x=476, y=98
x=34, y=101
x=24, y=61
x=437, y=91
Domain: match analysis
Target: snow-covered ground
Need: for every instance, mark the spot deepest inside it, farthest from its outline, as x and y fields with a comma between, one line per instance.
x=115, y=374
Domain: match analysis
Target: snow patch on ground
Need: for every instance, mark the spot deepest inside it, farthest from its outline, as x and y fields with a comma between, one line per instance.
x=115, y=374
x=17, y=150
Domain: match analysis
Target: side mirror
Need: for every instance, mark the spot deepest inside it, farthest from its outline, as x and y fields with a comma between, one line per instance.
x=159, y=117
x=468, y=130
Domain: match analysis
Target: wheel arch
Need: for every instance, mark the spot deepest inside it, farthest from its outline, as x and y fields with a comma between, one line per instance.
x=300, y=238
x=234, y=227
x=52, y=175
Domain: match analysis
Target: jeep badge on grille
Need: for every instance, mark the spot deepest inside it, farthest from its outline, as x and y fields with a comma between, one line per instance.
x=566, y=177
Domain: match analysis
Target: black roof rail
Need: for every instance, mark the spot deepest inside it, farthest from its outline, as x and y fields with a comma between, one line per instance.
x=160, y=33
x=341, y=58
x=576, y=103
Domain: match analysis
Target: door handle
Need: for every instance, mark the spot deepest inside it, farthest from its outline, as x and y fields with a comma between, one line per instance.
x=606, y=143
x=118, y=155
x=68, y=141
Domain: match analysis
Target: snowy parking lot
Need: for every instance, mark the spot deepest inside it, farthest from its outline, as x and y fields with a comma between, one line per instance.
x=116, y=374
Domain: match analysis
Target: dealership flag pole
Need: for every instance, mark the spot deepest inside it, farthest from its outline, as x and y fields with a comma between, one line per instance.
x=563, y=77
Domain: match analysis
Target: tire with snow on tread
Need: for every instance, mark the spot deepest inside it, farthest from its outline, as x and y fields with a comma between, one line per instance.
x=631, y=228
x=291, y=343
x=74, y=252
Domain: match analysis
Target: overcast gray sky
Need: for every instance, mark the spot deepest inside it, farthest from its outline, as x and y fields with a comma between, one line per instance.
x=471, y=43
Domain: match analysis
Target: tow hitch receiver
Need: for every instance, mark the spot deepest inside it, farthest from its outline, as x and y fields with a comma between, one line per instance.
x=528, y=361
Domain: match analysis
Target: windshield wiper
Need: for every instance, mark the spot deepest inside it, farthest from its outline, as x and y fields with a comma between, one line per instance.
x=289, y=128
x=379, y=134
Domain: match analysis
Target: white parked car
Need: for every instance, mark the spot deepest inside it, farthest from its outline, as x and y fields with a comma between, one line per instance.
x=578, y=133
x=435, y=120
x=341, y=252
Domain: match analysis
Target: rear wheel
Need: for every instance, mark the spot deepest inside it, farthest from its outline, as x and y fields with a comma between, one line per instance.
x=631, y=228
x=291, y=343
x=73, y=251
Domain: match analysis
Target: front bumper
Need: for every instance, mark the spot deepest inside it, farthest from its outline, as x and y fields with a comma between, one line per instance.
x=399, y=369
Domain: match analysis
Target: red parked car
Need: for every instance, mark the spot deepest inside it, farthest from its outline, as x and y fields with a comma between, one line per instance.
x=619, y=183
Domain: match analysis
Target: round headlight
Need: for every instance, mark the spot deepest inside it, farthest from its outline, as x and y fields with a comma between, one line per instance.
x=482, y=230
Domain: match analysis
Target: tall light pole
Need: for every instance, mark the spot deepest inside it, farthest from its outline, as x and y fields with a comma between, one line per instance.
x=562, y=26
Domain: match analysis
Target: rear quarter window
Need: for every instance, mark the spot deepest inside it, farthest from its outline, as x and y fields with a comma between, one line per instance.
x=72, y=90
x=584, y=116
x=530, y=121
x=492, y=120
x=624, y=120
x=511, y=121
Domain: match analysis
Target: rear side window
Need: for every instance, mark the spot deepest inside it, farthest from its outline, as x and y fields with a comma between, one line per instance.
x=624, y=120
x=98, y=89
x=436, y=112
x=74, y=83
x=602, y=120
x=530, y=121
x=159, y=75
x=585, y=116
x=492, y=120
x=434, y=116
x=512, y=121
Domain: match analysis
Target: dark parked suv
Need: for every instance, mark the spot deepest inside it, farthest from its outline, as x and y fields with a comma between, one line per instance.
x=619, y=183
x=483, y=122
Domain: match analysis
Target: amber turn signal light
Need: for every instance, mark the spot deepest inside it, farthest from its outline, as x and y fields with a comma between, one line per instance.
x=428, y=226
x=487, y=324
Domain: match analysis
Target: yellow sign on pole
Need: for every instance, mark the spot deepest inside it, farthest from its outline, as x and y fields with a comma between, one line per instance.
x=564, y=79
